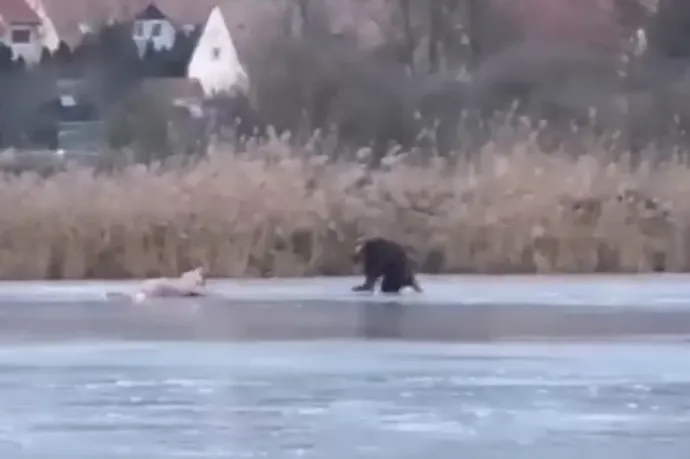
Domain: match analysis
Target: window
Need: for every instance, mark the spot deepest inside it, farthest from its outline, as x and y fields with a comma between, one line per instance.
x=84, y=28
x=215, y=53
x=156, y=29
x=21, y=36
x=138, y=29
x=67, y=100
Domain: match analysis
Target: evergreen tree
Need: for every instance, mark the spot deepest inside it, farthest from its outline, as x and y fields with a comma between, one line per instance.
x=5, y=58
x=63, y=54
x=181, y=53
x=46, y=56
x=109, y=57
x=153, y=62
x=669, y=34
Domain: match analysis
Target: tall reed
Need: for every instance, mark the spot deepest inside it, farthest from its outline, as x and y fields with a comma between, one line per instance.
x=273, y=212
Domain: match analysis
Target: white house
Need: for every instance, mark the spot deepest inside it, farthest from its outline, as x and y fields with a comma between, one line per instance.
x=151, y=25
x=215, y=62
x=20, y=29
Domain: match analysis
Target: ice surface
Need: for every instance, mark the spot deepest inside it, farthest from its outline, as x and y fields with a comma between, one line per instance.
x=667, y=290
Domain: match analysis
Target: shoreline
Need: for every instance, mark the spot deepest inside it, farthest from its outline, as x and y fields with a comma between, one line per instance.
x=634, y=291
x=462, y=309
x=358, y=277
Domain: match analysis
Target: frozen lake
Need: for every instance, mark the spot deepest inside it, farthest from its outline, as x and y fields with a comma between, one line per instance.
x=452, y=308
x=285, y=369
x=338, y=399
x=667, y=290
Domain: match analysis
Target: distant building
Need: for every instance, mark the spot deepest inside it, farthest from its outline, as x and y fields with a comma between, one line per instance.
x=215, y=62
x=154, y=27
x=20, y=29
x=70, y=20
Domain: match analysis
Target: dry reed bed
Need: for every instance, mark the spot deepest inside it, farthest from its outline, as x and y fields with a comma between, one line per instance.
x=273, y=213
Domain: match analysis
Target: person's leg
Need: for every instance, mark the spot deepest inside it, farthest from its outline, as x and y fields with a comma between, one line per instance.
x=368, y=285
x=390, y=284
x=411, y=281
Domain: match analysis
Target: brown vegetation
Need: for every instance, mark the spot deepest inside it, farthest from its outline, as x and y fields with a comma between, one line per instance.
x=276, y=211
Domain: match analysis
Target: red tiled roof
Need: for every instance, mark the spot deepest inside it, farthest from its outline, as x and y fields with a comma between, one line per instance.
x=17, y=12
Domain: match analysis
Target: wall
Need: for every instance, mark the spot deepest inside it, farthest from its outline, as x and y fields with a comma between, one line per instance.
x=215, y=62
x=31, y=50
x=143, y=30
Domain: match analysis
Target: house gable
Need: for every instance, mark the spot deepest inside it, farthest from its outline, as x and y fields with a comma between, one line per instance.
x=154, y=27
x=18, y=12
x=215, y=62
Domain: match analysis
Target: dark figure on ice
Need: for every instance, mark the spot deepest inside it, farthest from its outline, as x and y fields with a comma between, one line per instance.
x=384, y=258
